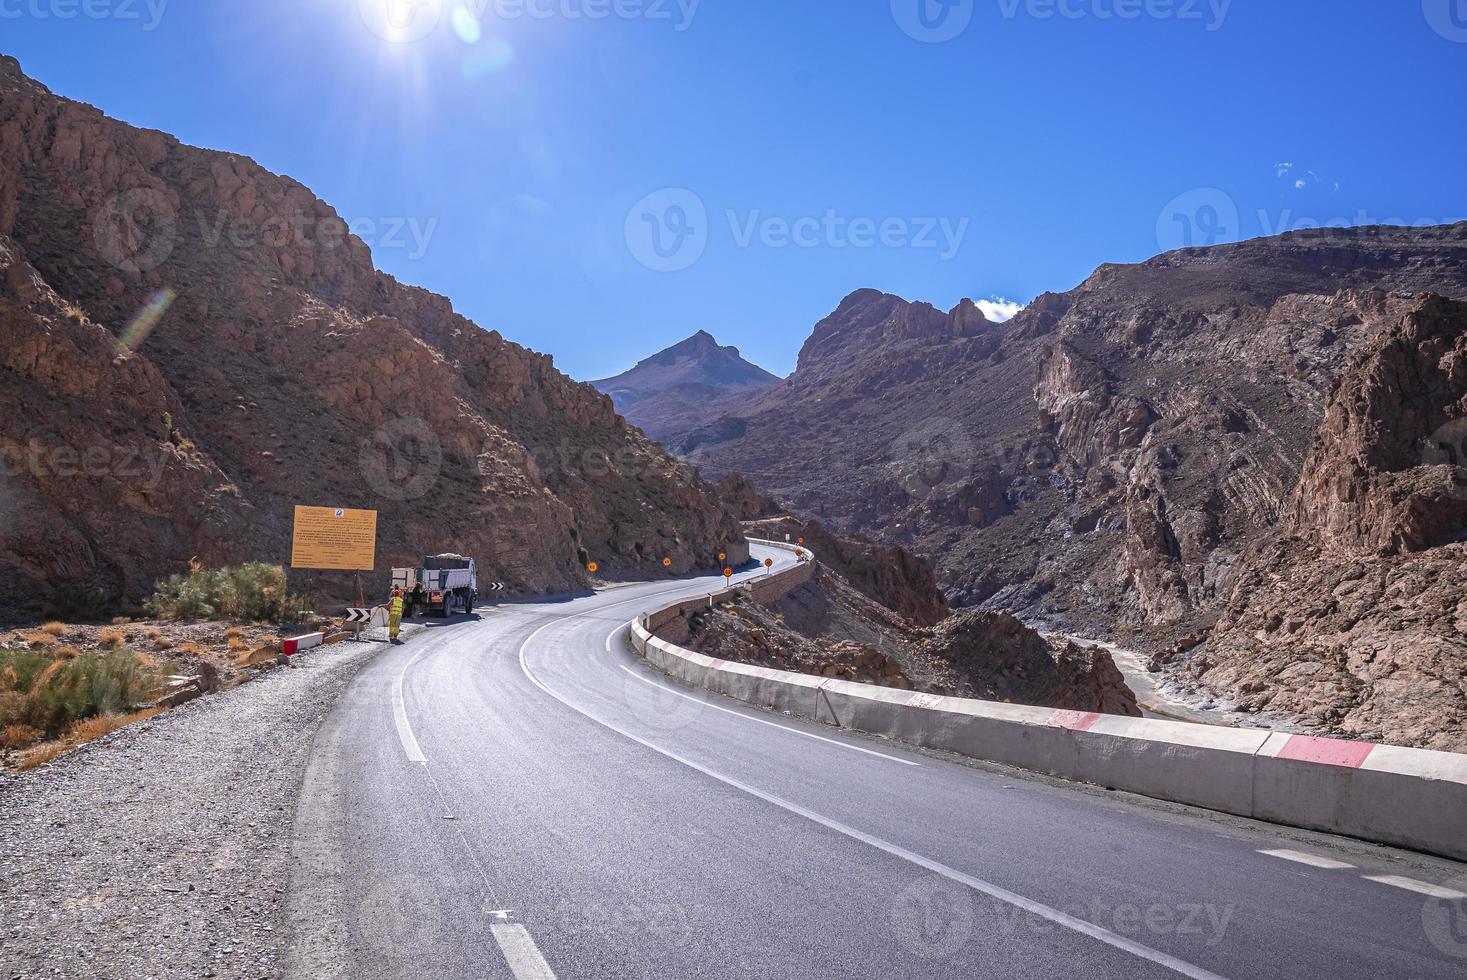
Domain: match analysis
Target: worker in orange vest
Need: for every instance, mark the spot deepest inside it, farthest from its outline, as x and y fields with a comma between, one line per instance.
x=394, y=614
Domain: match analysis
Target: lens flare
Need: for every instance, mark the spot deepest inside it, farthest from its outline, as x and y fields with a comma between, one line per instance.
x=146, y=319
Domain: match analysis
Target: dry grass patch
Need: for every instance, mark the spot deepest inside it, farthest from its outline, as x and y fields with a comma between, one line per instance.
x=121, y=620
x=39, y=640
x=237, y=644
x=162, y=643
x=91, y=729
x=55, y=629
x=256, y=657
x=67, y=653
x=19, y=736
x=40, y=755
x=191, y=648
x=111, y=639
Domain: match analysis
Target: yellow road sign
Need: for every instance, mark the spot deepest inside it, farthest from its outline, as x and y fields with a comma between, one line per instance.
x=334, y=538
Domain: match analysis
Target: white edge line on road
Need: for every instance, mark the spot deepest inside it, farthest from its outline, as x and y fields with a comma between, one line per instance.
x=764, y=721
x=952, y=874
x=1315, y=862
x=1420, y=887
x=520, y=952
x=399, y=715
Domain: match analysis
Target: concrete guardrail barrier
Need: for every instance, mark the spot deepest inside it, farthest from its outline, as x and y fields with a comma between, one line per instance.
x=1414, y=798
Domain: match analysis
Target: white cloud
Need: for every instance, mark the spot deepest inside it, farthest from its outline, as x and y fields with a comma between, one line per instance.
x=1301, y=184
x=1284, y=169
x=998, y=309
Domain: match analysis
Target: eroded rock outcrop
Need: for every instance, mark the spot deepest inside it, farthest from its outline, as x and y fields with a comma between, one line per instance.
x=1357, y=621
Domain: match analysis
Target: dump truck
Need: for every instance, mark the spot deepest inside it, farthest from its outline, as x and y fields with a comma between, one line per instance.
x=446, y=584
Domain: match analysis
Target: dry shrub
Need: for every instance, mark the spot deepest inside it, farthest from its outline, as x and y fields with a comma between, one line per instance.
x=90, y=729
x=191, y=648
x=234, y=633
x=55, y=629
x=19, y=736
x=38, y=640
x=111, y=639
x=152, y=632
x=121, y=620
x=67, y=652
x=40, y=755
x=162, y=643
x=147, y=661
x=238, y=644
x=257, y=656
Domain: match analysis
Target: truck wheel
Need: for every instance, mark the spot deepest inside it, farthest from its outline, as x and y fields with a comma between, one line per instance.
x=468, y=603
x=447, y=609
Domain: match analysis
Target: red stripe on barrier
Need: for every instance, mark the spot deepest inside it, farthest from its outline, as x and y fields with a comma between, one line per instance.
x=717, y=664
x=1327, y=751
x=1075, y=721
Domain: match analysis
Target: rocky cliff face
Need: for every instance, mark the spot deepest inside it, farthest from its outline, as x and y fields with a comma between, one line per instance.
x=659, y=393
x=194, y=345
x=1114, y=458
x=1357, y=621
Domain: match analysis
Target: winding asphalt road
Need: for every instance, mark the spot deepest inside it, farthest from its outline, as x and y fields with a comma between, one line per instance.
x=516, y=795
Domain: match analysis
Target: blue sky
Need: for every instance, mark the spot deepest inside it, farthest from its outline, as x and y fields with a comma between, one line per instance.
x=600, y=178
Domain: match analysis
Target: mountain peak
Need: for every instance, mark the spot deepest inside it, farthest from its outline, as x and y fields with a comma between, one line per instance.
x=695, y=368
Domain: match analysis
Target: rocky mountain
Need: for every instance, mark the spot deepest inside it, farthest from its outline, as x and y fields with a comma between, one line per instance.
x=190, y=345
x=1116, y=461
x=666, y=388
x=842, y=623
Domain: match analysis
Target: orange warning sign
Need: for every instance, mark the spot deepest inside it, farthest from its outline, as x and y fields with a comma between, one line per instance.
x=334, y=538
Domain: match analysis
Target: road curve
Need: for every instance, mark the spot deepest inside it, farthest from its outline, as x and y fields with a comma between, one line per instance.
x=517, y=796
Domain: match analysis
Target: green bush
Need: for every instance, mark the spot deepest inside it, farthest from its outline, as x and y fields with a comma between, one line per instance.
x=255, y=593
x=49, y=694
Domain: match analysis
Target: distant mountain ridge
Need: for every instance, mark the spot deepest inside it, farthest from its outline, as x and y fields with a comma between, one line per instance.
x=657, y=393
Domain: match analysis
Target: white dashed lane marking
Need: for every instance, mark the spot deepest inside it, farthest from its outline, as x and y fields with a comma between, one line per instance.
x=521, y=953
x=1420, y=887
x=1309, y=859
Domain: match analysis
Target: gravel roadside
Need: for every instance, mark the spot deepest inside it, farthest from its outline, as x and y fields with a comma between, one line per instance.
x=163, y=850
